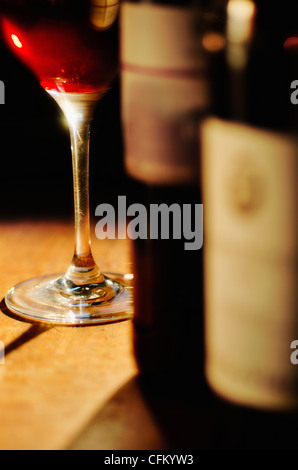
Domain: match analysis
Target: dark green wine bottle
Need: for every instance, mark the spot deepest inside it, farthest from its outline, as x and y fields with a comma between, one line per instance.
x=165, y=93
x=250, y=155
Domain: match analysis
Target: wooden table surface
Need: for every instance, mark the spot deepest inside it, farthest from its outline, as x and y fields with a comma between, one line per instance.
x=55, y=379
x=74, y=388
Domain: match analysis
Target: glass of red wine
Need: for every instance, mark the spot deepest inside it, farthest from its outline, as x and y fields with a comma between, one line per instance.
x=72, y=48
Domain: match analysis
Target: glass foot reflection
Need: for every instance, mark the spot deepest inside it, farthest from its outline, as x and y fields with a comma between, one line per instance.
x=55, y=299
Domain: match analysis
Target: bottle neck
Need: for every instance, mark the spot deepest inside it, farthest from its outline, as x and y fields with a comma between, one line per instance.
x=252, y=74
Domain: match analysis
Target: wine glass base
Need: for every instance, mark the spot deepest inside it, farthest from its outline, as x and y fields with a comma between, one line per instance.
x=42, y=300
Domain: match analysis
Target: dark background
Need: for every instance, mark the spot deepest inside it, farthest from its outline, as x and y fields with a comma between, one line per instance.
x=36, y=168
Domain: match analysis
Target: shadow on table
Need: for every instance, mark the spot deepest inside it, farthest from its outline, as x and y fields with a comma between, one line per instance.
x=35, y=330
x=135, y=419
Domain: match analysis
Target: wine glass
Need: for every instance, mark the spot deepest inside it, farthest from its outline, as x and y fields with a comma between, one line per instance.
x=72, y=47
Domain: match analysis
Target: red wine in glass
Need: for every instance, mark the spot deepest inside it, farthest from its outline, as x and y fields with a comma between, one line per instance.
x=72, y=48
x=66, y=56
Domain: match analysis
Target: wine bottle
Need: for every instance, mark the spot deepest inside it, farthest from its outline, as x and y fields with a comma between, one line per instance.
x=165, y=92
x=250, y=151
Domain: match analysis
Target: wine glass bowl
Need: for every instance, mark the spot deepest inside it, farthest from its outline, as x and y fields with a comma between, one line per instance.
x=64, y=43
x=72, y=48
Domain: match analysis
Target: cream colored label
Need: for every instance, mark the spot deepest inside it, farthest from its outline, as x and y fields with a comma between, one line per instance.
x=163, y=86
x=250, y=200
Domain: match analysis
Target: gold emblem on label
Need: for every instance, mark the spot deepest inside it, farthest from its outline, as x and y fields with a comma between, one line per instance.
x=245, y=187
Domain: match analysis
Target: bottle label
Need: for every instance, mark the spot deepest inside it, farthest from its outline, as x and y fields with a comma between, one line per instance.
x=163, y=87
x=250, y=196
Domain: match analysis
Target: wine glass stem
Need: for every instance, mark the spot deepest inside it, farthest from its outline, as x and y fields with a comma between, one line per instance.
x=83, y=268
x=80, y=141
x=78, y=110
